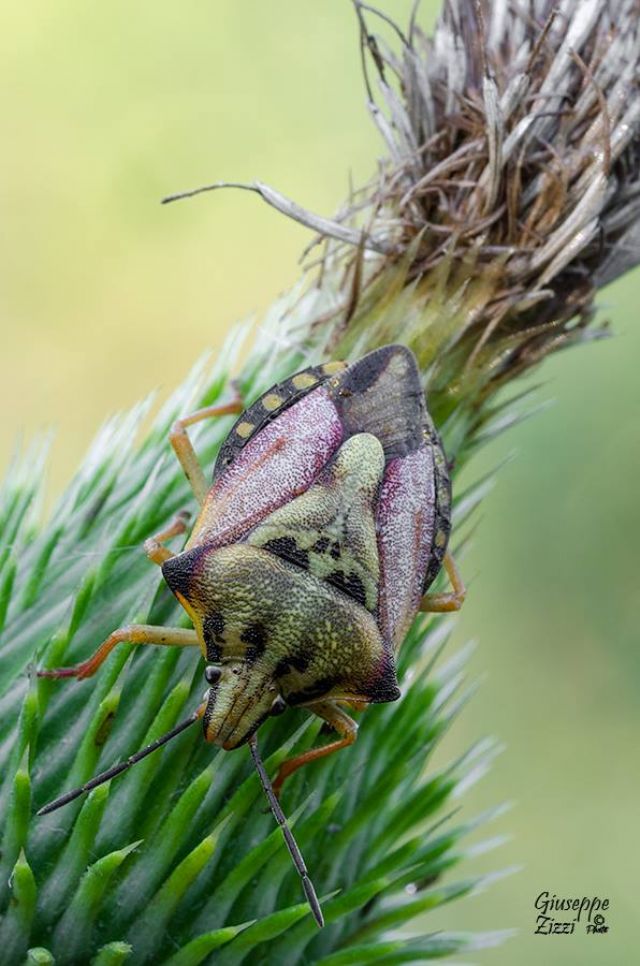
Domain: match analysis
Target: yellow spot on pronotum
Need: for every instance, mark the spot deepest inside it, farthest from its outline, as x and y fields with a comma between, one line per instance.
x=303, y=380
x=244, y=429
x=271, y=401
x=441, y=538
x=330, y=367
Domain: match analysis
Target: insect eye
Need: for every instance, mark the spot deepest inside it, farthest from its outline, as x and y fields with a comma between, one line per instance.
x=279, y=705
x=212, y=674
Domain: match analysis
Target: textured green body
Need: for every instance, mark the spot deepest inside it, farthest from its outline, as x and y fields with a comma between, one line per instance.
x=275, y=629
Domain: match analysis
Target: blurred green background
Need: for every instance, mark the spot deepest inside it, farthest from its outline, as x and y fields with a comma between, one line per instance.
x=106, y=296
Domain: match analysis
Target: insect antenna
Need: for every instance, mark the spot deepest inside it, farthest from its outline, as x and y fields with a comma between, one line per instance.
x=105, y=776
x=290, y=842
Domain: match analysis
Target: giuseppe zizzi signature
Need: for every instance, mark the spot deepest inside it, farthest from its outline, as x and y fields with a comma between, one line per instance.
x=588, y=910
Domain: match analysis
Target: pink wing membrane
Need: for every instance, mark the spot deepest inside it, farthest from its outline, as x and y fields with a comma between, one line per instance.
x=405, y=523
x=278, y=464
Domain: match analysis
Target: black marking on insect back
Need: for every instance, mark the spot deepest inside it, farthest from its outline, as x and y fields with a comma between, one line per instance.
x=334, y=553
x=318, y=689
x=301, y=661
x=178, y=571
x=349, y=584
x=288, y=549
x=259, y=414
x=214, y=652
x=382, y=394
x=255, y=637
x=321, y=545
x=214, y=624
x=295, y=662
x=212, y=631
x=282, y=667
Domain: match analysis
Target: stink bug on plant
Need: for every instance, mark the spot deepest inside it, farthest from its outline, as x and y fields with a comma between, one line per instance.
x=326, y=522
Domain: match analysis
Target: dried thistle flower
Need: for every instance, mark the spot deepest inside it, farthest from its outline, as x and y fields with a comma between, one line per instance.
x=514, y=172
x=509, y=195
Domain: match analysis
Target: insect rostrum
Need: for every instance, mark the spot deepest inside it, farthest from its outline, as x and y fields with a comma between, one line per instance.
x=327, y=520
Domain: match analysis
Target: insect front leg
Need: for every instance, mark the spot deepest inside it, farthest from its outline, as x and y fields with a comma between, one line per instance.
x=183, y=447
x=443, y=603
x=153, y=545
x=340, y=722
x=130, y=634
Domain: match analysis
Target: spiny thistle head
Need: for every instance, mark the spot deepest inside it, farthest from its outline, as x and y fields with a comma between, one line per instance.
x=509, y=194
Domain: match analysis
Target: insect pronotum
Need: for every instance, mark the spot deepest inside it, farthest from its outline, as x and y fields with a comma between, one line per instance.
x=325, y=524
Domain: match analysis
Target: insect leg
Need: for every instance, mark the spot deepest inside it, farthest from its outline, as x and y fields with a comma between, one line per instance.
x=441, y=603
x=131, y=634
x=179, y=439
x=338, y=720
x=354, y=703
x=153, y=546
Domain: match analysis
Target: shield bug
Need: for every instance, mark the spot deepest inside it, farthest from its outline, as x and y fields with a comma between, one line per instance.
x=326, y=522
